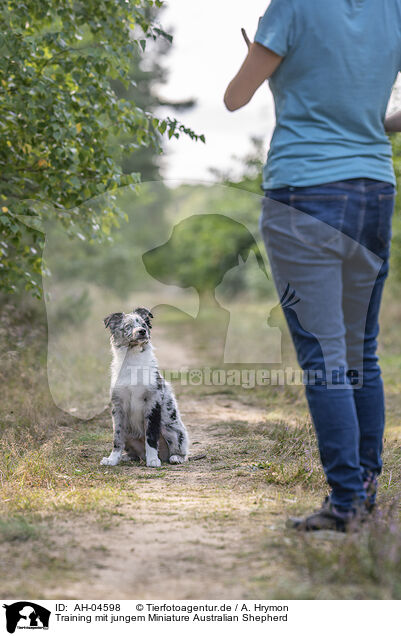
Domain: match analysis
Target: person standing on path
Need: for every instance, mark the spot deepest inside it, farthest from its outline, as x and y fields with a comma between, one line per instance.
x=329, y=188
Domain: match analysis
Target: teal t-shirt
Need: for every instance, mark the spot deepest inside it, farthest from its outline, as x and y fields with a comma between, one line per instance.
x=341, y=58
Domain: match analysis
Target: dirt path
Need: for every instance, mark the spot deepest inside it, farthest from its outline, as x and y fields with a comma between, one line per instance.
x=194, y=531
x=210, y=529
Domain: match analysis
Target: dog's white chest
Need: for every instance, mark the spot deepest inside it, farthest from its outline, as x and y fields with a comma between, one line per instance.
x=132, y=368
x=132, y=374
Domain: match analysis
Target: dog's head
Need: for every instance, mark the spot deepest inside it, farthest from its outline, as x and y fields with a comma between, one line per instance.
x=129, y=330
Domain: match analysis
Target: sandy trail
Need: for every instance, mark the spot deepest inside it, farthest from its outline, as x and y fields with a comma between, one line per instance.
x=198, y=532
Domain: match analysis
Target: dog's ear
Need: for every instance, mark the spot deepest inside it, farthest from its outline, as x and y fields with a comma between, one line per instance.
x=145, y=314
x=113, y=320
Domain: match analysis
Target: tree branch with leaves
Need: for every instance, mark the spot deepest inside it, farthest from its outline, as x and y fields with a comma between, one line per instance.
x=59, y=118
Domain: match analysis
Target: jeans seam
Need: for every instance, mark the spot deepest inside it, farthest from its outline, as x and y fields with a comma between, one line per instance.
x=384, y=197
x=361, y=222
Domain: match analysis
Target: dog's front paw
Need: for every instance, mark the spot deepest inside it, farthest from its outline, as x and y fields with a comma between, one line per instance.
x=177, y=459
x=108, y=461
x=153, y=463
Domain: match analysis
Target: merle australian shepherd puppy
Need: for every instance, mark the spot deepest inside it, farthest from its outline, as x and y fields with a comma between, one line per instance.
x=146, y=421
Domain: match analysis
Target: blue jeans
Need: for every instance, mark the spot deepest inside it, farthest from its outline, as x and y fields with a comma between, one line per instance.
x=328, y=248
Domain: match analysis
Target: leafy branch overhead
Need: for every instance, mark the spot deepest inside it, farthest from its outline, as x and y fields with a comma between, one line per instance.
x=59, y=119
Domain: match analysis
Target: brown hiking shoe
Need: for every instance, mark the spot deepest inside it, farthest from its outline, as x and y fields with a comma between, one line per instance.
x=329, y=517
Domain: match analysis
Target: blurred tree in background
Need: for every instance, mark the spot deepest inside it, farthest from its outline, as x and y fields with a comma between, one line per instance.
x=60, y=118
x=147, y=74
x=248, y=175
x=200, y=251
x=113, y=265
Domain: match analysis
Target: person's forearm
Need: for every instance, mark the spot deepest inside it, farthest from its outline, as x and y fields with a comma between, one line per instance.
x=258, y=66
x=392, y=123
x=234, y=97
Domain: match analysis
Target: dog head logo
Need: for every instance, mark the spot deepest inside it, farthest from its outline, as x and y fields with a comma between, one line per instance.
x=26, y=615
x=201, y=250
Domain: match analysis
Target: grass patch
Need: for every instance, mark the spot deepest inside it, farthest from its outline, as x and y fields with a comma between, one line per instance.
x=49, y=477
x=80, y=499
x=17, y=528
x=294, y=455
x=93, y=437
x=159, y=474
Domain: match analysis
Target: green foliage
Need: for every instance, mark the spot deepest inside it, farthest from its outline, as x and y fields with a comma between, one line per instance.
x=58, y=116
x=112, y=265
